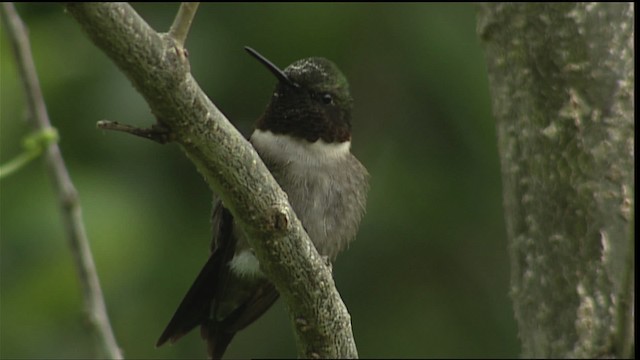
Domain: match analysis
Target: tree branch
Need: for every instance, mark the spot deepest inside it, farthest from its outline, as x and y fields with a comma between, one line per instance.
x=157, y=132
x=182, y=23
x=67, y=194
x=158, y=69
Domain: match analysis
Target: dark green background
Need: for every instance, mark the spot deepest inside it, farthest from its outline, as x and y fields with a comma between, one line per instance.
x=428, y=275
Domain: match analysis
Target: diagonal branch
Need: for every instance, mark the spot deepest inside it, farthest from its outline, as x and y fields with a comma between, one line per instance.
x=67, y=194
x=158, y=69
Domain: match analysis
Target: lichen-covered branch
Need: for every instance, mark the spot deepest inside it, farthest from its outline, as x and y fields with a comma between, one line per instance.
x=562, y=83
x=67, y=195
x=158, y=68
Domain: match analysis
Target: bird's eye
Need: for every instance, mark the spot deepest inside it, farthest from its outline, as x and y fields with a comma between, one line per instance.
x=326, y=98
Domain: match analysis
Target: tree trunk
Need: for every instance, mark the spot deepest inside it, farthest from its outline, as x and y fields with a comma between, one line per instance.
x=562, y=83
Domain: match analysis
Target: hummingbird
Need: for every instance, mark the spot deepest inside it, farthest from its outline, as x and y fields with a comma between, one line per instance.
x=304, y=139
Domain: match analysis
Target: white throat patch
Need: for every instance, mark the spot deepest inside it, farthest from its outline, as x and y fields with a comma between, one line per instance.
x=291, y=150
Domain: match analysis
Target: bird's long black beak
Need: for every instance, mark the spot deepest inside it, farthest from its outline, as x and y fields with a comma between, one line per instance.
x=282, y=77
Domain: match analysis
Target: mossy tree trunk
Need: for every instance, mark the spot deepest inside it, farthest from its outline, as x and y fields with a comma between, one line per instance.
x=562, y=82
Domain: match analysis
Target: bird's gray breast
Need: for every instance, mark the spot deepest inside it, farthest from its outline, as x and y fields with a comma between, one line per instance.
x=326, y=186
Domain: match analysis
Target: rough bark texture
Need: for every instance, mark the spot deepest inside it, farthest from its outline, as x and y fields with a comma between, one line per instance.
x=159, y=70
x=562, y=83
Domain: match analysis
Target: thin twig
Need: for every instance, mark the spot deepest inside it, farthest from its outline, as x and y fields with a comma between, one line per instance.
x=67, y=194
x=34, y=145
x=157, y=132
x=182, y=23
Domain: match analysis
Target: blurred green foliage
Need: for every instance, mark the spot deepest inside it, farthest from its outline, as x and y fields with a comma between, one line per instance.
x=428, y=275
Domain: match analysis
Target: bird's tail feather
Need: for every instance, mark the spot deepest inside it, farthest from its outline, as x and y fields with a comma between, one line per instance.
x=217, y=341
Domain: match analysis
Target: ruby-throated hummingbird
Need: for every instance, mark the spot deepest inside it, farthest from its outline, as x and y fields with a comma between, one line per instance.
x=304, y=138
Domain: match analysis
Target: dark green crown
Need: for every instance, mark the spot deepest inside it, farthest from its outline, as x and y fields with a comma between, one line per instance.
x=311, y=101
